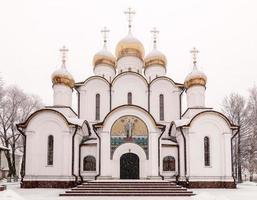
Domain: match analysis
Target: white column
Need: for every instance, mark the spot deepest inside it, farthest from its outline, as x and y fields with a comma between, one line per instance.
x=153, y=154
x=105, y=155
x=227, y=155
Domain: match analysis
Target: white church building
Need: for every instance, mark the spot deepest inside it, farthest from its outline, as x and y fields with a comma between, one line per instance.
x=129, y=125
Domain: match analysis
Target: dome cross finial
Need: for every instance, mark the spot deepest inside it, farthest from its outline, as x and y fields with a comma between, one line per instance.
x=130, y=12
x=105, y=31
x=194, y=53
x=155, y=32
x=63, y=51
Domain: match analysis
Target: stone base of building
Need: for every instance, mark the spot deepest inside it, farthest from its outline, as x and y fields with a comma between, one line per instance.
x=48, y=184
x=208, y=184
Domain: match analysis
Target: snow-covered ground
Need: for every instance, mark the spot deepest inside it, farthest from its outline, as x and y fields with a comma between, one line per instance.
x=245, y=191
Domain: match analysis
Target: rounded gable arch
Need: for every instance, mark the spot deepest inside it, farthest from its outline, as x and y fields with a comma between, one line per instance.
x=129, y=73
x=179, y=85
x=216, y=114
x=129, y=110
x=38, y=112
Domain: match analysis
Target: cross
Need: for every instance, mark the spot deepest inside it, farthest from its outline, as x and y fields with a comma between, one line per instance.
x=194, y=53
x=155, y=32
x=105, y=31
x=129, y=13
x=63, y=51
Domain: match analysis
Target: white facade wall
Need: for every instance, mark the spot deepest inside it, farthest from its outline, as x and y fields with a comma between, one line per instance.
x=89, y=149
x=154, y=71
x=62, y=95
x=88, y=99
x=38, y=130
x=171, y=100
x=169, y=151
x=105, y=71
x=110, y=167
x=130, y=82
x=218, y=131
x=129, y=63
x=196, y=96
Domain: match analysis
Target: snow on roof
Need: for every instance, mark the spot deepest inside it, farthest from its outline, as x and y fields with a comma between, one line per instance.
x=182, y=122
x=74, y=120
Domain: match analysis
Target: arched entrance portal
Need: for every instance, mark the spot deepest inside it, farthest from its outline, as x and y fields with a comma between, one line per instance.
x=129, y=166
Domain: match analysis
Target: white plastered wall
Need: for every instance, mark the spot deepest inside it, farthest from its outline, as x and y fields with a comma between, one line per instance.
x=129, y=63
x=39, y=128
x=108, y=166
x=196, y=96
x=154, y=71
x=88, y=93
x=89, y=149
x=171, y=100
x=105, y=71
x=129, y=82
x=62, y=95
x=216, y=128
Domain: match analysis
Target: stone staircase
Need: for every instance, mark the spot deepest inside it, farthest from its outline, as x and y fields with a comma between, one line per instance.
x=128, y=188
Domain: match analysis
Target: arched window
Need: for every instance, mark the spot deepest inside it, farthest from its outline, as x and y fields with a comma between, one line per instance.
x=169, y=163
x=89, y=163
x=129, y=98
x=97, y=107
x=206, y=151
x=50, y=150
x=161, y=102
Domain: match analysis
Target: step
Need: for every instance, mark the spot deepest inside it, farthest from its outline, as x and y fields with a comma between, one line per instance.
x=128, y=194
x=122, y=191
x=139, y=189
x=127, y=186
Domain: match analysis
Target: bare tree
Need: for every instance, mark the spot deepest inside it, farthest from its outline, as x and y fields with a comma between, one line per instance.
x=234, y=107
x=15, y=107
x=250, y=145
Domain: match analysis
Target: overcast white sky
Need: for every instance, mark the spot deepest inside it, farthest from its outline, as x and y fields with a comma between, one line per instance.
x=225, y=32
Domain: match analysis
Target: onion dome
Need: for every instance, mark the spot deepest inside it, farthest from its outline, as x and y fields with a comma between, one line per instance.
x=155, y=57
x=104, y=57
x=196, y=77
x=130, y=46
x=61, y=75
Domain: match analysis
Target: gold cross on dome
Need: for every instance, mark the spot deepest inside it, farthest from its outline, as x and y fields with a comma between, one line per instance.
x=130, y=13
x=63, y=51
x=105, y=31
x=155, y=32
x=194, y=53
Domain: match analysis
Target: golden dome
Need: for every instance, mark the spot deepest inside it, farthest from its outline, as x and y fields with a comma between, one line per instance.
x=104, y=57
x=130, y=46
x=196, y=77
x=155, y=57
x=62, y=76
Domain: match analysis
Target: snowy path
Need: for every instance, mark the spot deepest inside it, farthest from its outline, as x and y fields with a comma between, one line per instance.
x=246, y=191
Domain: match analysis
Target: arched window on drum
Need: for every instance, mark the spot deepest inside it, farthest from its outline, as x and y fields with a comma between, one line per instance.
x=89, y=163
x=207, y=151
x=129, y=98
x=50, y=150
x=161, y=107
x=169, y=163
x=97, y=107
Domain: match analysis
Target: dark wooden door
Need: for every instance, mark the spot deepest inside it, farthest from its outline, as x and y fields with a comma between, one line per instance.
x=129, y=166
